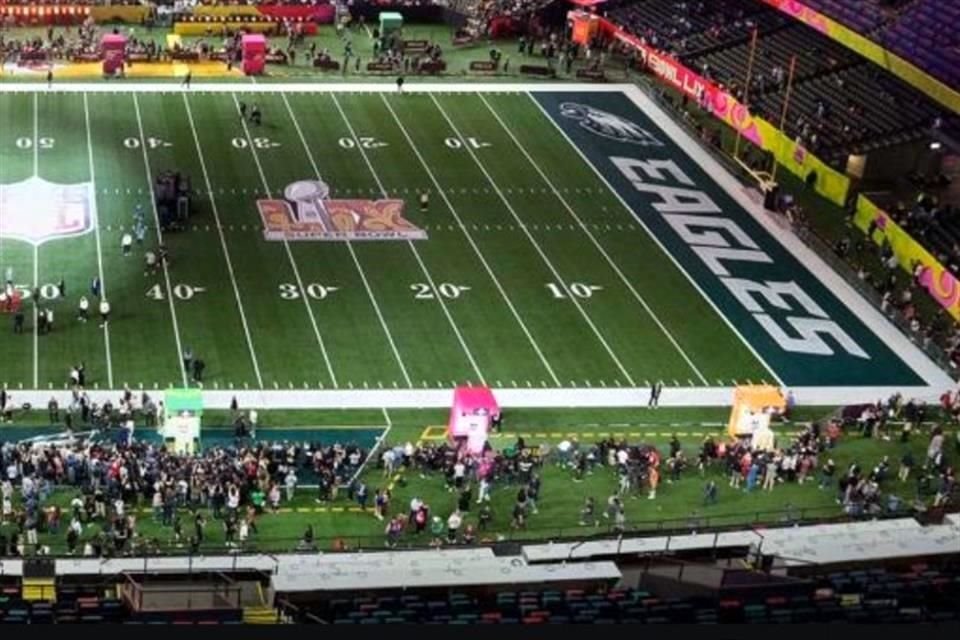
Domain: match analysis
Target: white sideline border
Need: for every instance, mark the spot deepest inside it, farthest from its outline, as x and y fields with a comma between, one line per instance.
x=936, y=379
x=556, y=398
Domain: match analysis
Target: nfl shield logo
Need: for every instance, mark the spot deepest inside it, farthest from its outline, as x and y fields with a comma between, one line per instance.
x=37, y=210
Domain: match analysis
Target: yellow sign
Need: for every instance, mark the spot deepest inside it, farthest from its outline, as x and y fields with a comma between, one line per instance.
x=932, y=276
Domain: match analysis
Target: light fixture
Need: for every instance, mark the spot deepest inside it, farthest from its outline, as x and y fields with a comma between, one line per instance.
x=935, y=146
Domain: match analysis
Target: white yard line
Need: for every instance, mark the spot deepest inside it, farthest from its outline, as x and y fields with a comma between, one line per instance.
x=156, y=220
x=36, y=330
x=536, y=245
x=413, y=248
x=473, y=245
x=596, y=243
x=286, y=246
x=36, y=250
x=656, y=240
x=223, y=243
x=96, y=229
x=353, y=254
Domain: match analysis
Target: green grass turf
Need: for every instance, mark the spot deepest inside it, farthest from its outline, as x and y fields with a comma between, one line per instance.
x=678, y=505
x=374, y=330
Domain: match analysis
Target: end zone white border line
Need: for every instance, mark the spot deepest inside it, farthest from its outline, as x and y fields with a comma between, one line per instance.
x=936, y=379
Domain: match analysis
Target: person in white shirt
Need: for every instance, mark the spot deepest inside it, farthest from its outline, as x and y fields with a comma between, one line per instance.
x=150, y=258
x=622, y=457
x=126, y=244
x=388, y=459
x=415, y=504
x=483, y=495
x=104, y=313
x=291, y=483
x=244, y=531
x=453, y=526
x=82, y=309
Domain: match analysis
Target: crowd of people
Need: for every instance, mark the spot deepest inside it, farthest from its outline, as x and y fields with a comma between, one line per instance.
x=862, y=488
x=112, y=476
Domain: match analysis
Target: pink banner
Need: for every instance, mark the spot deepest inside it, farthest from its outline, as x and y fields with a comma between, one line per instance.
x=706, y=93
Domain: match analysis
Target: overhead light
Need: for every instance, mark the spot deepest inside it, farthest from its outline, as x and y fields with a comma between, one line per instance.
x=935, y=146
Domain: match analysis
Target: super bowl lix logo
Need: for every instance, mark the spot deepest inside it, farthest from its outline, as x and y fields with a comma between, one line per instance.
x=608, y=125
x=307, y=213
x=36, y=210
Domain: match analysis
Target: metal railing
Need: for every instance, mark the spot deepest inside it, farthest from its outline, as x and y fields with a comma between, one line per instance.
x=695, y=522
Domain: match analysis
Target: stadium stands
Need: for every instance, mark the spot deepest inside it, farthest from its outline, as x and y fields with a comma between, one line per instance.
x=924, y=32
x=840, y=105
x=873, y=595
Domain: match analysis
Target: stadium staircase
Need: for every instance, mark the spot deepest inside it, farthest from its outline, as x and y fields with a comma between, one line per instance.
x=260, y=612
x=260, y=615
x=38, y=589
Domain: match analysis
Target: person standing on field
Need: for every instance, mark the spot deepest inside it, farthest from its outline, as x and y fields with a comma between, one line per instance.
x=83, y=309
x=104, y=313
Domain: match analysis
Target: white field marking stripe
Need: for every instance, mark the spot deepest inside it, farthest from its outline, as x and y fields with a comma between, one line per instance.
x=511, y=398
x=353, y=254
x=36, y=135
x=36, y=330
x=865, y=311
x=416, y=254
x=286, y=246
x=560, y=281
x=96, y=218
x=36, y=254
x=223, y=243
x=476, y=249
x=596, y=243
x=156, y=220
x=313, y=87
x=656, y=240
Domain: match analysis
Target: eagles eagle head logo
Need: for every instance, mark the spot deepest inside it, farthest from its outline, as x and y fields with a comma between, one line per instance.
x=608, y=125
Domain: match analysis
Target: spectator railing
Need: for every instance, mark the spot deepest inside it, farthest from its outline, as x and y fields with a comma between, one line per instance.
x=696, y=522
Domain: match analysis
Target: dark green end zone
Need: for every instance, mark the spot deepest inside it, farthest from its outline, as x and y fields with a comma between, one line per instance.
x=601, y=138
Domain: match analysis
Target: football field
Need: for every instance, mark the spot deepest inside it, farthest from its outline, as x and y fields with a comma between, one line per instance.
x=571, y=240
